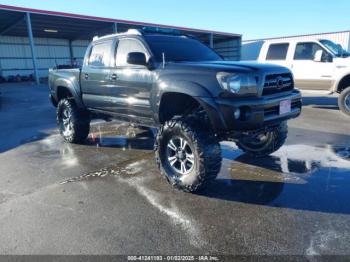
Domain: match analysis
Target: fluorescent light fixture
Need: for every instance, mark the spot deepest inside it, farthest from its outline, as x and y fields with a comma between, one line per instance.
x=51, y=30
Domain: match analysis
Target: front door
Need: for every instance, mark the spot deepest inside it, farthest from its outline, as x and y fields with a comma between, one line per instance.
x=309, y=74
x=131, y=84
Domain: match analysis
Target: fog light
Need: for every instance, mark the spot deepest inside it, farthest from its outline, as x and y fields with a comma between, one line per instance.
x=237, y=113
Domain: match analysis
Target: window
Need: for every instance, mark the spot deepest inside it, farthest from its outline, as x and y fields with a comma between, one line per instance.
x=125, y=47
x=277, y=52
x=100, y=54
x=178, y=48
x=306, y=51
x=335, y=48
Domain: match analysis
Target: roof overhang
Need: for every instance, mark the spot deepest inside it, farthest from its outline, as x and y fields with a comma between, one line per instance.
x=52, y=24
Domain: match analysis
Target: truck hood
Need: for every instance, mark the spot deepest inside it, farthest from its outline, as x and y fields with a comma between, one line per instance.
x=231, y=66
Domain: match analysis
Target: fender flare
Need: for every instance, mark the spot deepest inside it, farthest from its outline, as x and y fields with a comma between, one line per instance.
x=181, y=87
x=73, y=87
x=192, y=89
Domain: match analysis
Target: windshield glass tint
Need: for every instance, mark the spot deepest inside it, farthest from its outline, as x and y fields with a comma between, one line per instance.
x=334, y=48
x=176, y=49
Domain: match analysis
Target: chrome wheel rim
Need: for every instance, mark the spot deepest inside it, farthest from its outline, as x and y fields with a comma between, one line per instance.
x=180, y=156
x=347, y=102
x=67, y=125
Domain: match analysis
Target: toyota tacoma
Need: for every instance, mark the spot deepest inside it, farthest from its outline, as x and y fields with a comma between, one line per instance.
x=177, y=84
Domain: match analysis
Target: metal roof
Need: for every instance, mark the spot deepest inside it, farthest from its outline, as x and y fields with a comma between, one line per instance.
x=75, y=26
x=292, y=36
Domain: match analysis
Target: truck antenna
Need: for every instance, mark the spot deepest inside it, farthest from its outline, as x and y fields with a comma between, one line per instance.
x=163, y=56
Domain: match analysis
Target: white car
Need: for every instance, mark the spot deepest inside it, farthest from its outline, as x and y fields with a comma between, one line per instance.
x=316, y=64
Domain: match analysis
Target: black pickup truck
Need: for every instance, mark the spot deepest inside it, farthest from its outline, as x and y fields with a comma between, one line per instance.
x=182, y=87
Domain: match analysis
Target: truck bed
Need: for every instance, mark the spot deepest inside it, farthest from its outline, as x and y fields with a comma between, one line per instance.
x=63, y=77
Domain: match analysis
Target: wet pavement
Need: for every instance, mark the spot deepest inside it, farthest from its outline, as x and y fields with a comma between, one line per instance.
x=107, y=196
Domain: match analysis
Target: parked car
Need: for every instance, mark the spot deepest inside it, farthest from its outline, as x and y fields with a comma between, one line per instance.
x=182, y=87
x=316, y=64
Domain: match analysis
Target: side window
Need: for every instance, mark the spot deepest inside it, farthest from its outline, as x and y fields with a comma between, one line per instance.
x=99, y=55
x=306, y=51
x=126, y=46
x=277, y=52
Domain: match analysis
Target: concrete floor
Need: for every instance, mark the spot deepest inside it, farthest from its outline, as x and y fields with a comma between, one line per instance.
x=293, y=202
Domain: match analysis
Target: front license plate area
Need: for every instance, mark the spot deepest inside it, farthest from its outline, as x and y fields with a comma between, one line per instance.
x=285, y=107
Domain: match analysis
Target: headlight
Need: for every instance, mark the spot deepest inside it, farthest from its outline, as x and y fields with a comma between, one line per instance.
x=237, y=83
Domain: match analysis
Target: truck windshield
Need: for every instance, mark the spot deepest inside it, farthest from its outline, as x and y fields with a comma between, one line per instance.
x=335, y=48
x=178, y=49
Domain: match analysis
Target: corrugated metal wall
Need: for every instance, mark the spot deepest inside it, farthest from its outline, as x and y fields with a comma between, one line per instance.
x=230, y=50
x=15, y=54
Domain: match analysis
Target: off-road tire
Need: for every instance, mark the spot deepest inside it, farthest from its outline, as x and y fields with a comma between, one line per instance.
x=276, y=138
x=345, y=94
x=206, y=151
x=79, y=120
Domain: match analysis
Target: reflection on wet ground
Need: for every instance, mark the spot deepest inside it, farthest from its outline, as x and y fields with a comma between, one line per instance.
x=342, y=151
x=303, y=177
x=122, y=136
x=313, y=178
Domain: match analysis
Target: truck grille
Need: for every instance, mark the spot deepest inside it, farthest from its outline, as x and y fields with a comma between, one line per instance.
x=278, y=83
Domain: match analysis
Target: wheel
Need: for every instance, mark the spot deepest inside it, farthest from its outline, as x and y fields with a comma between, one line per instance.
x=73, y=124
x=266, y=143
x=187, y=153
x=344, y=101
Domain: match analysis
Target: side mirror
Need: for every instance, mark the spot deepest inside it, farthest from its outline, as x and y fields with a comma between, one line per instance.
x=318, y=56
x=329, y=58
x=136, y=58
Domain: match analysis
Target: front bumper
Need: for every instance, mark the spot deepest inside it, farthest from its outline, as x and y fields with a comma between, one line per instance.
x=256, y=113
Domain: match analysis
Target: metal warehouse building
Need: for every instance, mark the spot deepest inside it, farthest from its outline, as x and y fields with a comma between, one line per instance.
x=32, y=41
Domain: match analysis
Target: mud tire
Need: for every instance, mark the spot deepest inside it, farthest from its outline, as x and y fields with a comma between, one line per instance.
x=276, y=139
x=343, y=97
x=205, y=148
x=79, y=121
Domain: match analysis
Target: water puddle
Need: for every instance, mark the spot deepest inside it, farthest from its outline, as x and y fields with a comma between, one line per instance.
x=296, y=176
x=304, y=177
x=291, y=163
x=122, y=136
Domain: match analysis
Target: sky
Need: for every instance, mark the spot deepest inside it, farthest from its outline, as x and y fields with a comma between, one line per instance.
x=251, y=18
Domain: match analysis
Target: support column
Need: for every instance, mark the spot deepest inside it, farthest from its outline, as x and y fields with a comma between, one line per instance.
x=31, y=42
x=115, y=28
x=211, y=40
x=71, y=54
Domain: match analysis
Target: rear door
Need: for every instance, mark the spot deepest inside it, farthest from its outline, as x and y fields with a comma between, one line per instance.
x=95, y=75
x=309, y=74
x=277, y=53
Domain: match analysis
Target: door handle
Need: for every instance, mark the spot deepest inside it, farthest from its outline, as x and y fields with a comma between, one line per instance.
x=86, y=76
x=114, y=77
